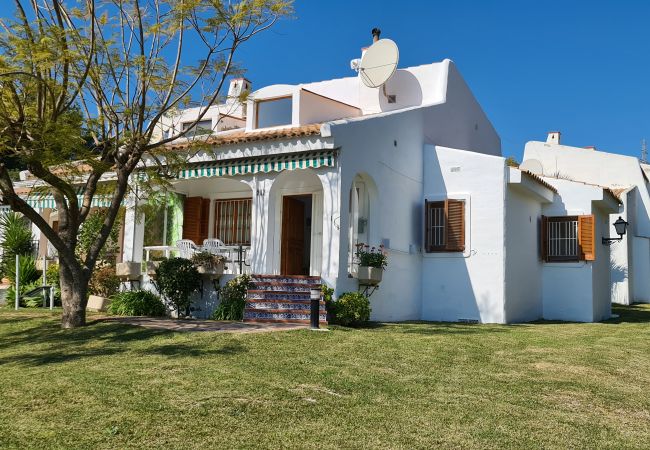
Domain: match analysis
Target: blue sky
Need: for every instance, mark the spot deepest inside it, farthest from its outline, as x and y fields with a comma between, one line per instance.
x=580, y=67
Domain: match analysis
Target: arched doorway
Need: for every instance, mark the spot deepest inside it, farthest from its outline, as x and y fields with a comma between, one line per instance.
x=297, y=200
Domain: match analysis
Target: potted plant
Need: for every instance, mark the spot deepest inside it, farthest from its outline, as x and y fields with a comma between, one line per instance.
x=103, y=284
x=209, y=264
x=372, y=262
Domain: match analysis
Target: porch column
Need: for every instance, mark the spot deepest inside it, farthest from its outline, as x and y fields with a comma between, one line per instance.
x=261, y=225
x=331, y=181
x=133, y=233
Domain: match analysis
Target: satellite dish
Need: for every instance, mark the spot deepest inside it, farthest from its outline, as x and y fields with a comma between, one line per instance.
x=532, y=166
x=379, y=63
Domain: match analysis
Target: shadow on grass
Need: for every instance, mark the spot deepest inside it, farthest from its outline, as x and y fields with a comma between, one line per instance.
x=635, y=313
x=41, y=342
x=190, y=350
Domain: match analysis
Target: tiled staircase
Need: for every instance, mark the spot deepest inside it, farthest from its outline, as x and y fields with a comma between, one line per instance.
x=279, y=298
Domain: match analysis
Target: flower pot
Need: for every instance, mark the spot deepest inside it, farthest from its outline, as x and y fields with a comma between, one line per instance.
x=129, y=270
x=211, y=271
x=97, y=303
x=152, y=266
x=369, y=275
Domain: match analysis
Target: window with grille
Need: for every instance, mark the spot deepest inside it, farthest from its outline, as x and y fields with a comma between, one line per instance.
x=233, y=221
x=568, y=238
x=562, y=238
x=444, y=226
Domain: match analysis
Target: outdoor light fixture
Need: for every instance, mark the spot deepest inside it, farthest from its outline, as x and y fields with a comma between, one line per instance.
x=621, y=227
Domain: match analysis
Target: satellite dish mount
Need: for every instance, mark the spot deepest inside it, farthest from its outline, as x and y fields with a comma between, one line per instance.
x=379, y=62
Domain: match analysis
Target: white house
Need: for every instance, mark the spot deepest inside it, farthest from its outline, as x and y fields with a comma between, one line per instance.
x=630, y=258
x=294, y=178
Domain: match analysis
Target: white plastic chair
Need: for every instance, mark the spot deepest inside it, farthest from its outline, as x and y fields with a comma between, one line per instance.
x=214, y=246
x=186, y=248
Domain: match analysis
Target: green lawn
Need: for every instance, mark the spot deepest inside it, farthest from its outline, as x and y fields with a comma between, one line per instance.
x=390, y=386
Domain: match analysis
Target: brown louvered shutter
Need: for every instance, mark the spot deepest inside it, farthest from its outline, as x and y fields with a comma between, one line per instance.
x=427, y=226
x=455, y=215
x=192, y=219
x=543, y=238
x=587, y=237
x=205, y=217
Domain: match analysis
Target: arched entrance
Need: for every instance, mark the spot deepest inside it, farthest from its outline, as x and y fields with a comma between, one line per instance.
x=297, y=197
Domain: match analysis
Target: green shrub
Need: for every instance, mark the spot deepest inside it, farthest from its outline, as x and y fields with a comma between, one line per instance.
x=17, y=240
x=351, y=309
x=89, y=232
x=52, y=278
x=136, y=303
x=176, y=280
x=232, y=298
x=30, y=278
x=103, y=282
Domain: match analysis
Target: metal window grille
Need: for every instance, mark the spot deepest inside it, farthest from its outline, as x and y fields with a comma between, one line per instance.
x=233, y=221
x=562, y=238
x=437, y=226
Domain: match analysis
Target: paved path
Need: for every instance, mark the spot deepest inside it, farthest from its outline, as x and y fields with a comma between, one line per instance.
x=204, y=325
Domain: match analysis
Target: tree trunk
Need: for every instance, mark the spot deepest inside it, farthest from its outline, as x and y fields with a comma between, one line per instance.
x=74, y=298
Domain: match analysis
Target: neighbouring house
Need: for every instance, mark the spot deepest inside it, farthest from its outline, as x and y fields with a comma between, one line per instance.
x=294, y=178
x=628, y=179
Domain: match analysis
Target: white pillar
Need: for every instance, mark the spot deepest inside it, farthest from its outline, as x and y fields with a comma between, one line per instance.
x=331, y=182
x=133, y=233
x=262, y=226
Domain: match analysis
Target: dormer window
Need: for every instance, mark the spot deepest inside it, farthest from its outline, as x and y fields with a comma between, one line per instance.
x=202, y=127
x=273, y=112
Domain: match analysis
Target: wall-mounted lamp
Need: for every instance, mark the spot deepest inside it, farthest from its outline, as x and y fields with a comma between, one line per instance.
x=621, y=227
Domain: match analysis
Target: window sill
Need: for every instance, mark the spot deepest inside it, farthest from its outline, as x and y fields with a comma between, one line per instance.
x=569, y=264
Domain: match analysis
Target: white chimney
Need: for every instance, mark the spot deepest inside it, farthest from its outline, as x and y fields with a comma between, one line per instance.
x=237, y=86
x=553, y=137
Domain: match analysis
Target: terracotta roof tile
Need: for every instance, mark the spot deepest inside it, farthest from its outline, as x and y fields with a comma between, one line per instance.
x=238, y=137
x=539, y=180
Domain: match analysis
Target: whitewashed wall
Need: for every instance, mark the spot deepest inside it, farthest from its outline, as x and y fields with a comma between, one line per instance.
x=616, y=171
x=523, y=264
x=388, y=151
x=469, y=285
x=577, y=291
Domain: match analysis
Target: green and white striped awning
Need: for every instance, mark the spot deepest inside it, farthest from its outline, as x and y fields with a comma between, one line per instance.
x=265, y=164
x=225, y=168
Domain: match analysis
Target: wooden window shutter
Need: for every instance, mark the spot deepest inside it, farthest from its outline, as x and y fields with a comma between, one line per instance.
x=543, y=238
x=192, y=219
x=455, y=215
x=427, y=226
x=587, y=237
x=205, y=218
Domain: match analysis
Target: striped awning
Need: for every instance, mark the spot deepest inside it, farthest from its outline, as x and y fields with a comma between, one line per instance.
x=225, y=168
x=265, y=164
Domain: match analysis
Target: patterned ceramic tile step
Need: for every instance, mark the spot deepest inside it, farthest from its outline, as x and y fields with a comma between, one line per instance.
x=282, y=301
x=277, y=298
x=301, y=311
x=282, y=287
x=288, y=306
x=271, y=295
x=285, y=279
x=289, y=316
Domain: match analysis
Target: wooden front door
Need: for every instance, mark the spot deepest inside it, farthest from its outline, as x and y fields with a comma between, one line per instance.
x=293, y=237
